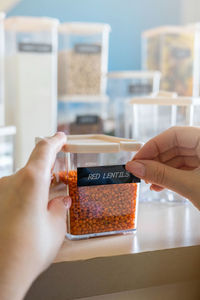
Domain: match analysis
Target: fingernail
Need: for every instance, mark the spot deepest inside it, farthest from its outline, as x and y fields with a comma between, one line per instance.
x=136, y=168
x=67, y=202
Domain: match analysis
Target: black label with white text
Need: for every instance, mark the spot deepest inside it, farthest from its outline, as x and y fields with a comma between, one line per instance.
x=87, y=119
x=35, y=47
x=104, y=175
x=140, y=89
x=87, y=48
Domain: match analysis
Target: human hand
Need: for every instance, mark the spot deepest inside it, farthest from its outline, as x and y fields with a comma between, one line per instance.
x=171, y=160
x=32, y=229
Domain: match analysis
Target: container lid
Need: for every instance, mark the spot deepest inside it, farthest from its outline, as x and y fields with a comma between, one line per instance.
x=100, y=144
x=8, y=130
x=133, y=74
x=164, y=94
x=166, y=101
x=26, y=24
x=169, y=30
x=83, y=28
x=83, y=98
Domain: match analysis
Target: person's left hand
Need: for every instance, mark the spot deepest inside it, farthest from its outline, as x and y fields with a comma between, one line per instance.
x=32, y=229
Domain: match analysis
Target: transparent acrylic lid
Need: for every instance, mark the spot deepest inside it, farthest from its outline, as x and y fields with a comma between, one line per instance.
x=100, y=144
x=165, y=100
x=78, y=28
x=170, y=30
x=26, y=24
x=133, y=74
x=84, y=98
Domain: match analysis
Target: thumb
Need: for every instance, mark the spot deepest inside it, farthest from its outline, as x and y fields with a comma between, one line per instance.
x=179, y=181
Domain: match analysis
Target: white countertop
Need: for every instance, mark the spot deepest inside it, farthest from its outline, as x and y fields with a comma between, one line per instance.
x=160, y=226
x=165, y=250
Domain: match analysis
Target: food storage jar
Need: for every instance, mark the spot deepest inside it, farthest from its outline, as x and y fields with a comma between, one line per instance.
x=31, y=80
x=7, y=138
x=149, y=116
x=2, y=68
x=175, y=51
x=125, y=84
x=104, y=195
x=82, y=114
x=83, y=58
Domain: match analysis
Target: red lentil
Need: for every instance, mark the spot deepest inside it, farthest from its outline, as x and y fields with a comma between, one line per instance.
x=101, y=208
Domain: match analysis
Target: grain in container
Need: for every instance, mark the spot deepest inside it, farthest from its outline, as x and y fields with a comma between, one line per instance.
x=82, y=114
x=31, y=80
x=7, y=139
x=104, y=195
x=83, y=58
x=175, y=51
x=2, y=16
x=125, y=84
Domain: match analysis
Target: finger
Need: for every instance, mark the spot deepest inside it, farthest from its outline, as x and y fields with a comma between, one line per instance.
x=57, y=210
x=175, y=137
x=174, y=152
x=59, y=205
x=162, y=175
x=44, y=154
x=156, y=188
x=183, y=162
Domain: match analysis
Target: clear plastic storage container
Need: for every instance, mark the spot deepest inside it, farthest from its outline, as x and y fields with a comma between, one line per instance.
x=31, y=80
x=2, y=16
x=175, y=51
x=7, y=137
x=82, y=115
x=104, y=195
x=151, y=115
x=125, y=84
x=83, y=58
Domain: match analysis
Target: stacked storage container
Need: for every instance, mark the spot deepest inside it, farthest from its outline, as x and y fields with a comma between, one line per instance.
x=31, y=80
x=82, y=68
x=152, y=115
x=125, y=85
x=175, y=51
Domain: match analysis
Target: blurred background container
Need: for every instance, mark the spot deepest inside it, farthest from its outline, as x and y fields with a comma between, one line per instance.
x=2, y=16
x=127, y=84
x=83, y=58
x=31, y=80
x=175, y=51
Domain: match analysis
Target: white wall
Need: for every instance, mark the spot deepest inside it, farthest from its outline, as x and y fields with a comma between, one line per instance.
x=190, y=11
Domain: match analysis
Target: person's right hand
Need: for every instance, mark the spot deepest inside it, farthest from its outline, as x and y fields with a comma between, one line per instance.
x=171, y=160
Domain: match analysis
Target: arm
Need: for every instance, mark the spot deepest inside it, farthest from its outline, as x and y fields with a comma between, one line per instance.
x=31, y=229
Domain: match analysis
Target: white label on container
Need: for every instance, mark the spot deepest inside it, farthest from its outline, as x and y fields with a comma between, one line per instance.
x=35, y=47
x=87, y=48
